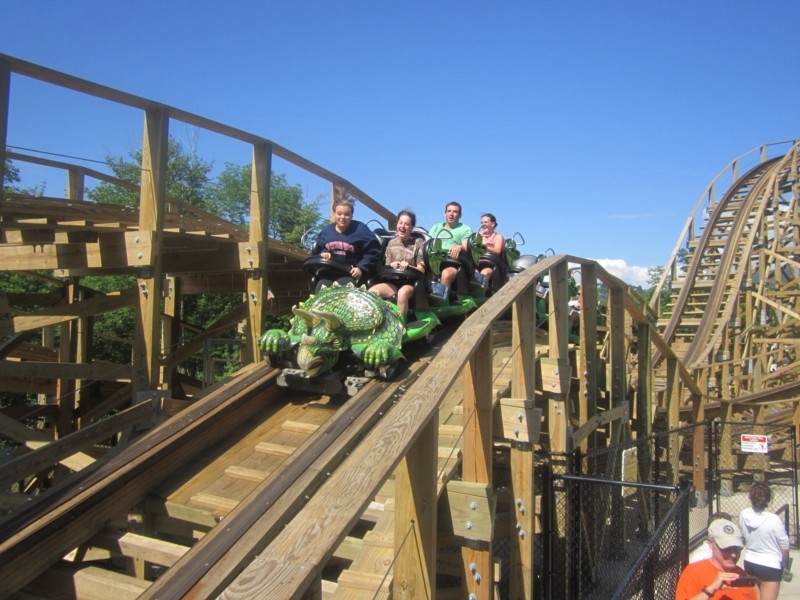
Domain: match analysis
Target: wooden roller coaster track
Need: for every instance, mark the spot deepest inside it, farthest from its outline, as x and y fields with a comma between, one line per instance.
x=154, y=486
x=733, y=311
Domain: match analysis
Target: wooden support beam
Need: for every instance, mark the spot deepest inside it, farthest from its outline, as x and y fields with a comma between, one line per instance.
x=414, y=573
x=558, y=325
x=588, y=361
x=5, y=94
x=616, y=378
x=147, y=347
x=257, y=276
x=644, y=391
x=62, y=313
x=88, y=583
x=523, y=386
x=699, y=447
x=476, y=553
x=31, y=438
x=47, y=371
x=133, y=545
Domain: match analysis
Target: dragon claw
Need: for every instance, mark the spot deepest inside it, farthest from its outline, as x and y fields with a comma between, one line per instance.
x=274, y=342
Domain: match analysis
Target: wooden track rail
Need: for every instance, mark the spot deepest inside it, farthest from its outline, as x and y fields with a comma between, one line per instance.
x=733, y=312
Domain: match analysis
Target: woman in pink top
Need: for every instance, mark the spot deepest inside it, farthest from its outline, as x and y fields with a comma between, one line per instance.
x=493, y=240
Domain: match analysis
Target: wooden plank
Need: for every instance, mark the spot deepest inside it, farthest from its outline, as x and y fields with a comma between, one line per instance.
x=414, y=519
x=523, y=385
x=63, y=448
x=276, y=449
x=88, y=583
x=349, y=548
x=517, y=420
x=218, y=503
x=34, y=439
x=300, y=427
x=76, y=370
x=452, y=430
x=67, y=312
x=477, y=459
x=369, y=582
x=237, y=471
x=124, y=543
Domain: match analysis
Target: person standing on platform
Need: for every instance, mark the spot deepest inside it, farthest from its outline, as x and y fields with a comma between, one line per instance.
x=766, y=542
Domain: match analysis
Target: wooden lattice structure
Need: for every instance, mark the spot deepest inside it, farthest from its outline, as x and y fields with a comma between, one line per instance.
x=734, y=290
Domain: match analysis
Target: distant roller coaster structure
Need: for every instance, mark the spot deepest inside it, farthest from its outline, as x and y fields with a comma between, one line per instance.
x=728, y=296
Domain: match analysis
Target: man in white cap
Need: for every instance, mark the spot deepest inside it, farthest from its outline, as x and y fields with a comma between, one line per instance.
x=718, y=577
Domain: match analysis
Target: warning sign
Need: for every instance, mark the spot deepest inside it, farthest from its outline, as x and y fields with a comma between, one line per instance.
x=755, y=444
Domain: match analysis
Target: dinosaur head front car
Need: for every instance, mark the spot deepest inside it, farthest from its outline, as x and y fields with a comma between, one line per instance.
x=319, y=349
x=340, y=319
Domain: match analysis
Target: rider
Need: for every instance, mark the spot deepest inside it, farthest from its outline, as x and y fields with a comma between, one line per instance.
x=349, y=241
x=494, y=242
x=402, y=252
x=456, y=244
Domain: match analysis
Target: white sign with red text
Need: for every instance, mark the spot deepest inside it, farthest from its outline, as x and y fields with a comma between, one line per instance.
x=755, y=444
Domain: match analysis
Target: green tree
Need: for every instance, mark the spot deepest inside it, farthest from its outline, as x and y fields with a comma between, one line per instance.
x=11, y=176
x=290, y=215
x=187, y=177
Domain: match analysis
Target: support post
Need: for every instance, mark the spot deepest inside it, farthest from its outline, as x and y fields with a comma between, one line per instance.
x=257, y=282
x=476, y=555
x=558, y=418
x=588, y=373
x=151, y=221
x=644, y=391
x=617, y=376
x=414, y=573
x=523, y=385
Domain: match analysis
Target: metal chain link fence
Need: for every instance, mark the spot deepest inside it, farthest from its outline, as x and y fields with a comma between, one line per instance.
x=744, y=453
x=616, y=524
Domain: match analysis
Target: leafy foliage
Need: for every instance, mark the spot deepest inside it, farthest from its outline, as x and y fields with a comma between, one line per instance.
x=290, y=215
x=187, y=177
x=11, y=177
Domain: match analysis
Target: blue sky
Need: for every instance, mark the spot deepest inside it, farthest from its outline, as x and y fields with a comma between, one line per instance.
x=590, y=127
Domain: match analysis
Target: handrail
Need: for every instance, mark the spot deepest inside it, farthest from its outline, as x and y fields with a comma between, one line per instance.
x=34, y=71
x=707, y=201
